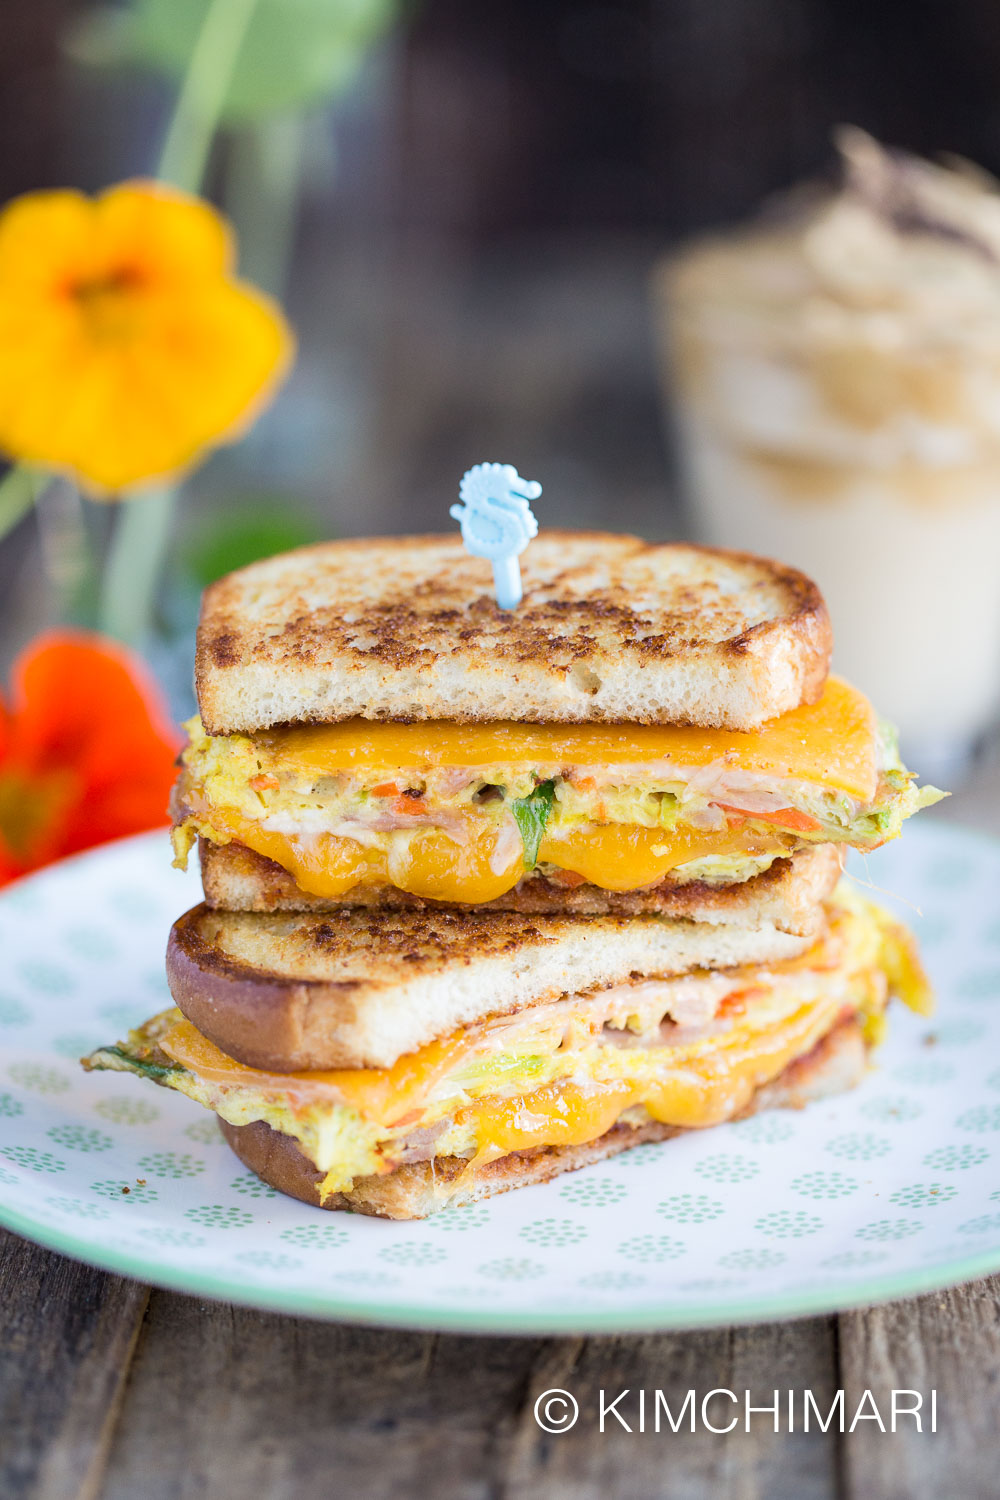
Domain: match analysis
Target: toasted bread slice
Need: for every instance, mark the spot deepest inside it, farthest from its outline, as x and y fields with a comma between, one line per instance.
x=358, y=990
x=788, y=894
x=611, y=628
x=418, y=1189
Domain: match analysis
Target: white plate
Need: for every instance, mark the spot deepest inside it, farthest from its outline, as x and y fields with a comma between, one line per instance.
x=884, y=1192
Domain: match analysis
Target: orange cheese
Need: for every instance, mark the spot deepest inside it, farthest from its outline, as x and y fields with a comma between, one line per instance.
x=696, y=1093
x=614, y=856
x=623, y=857
x=384, y=1094
x=832, y=742
x=699, y=1088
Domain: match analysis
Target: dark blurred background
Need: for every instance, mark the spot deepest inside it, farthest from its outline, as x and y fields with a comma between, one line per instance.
x=473, y=225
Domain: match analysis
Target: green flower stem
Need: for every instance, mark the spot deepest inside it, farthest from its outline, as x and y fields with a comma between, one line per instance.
x=132, y=570
x=19, y=489
x=144, y=524
x=203, y=93
x=261, y=195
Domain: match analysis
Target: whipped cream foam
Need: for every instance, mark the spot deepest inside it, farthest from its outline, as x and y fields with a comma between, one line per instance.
x=835, y=375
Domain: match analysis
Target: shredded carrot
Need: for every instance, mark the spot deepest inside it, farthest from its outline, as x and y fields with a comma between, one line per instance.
x=408, y=805
x=784, y=817
x=265, y=782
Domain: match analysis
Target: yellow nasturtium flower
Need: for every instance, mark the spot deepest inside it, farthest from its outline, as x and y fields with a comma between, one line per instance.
x=127, y=345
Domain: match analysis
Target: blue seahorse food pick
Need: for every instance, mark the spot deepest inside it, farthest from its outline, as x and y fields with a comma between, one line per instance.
x=497, y=523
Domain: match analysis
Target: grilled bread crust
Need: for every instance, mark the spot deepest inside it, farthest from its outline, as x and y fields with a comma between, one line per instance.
x=788, y=894
x=290, y=992
x=416, y=1190
x=611, y=629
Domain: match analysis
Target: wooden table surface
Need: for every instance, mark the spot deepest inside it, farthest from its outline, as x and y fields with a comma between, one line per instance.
x=112, y=1391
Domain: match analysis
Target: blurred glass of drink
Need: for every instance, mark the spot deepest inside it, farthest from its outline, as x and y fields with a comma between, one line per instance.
x=834, y=379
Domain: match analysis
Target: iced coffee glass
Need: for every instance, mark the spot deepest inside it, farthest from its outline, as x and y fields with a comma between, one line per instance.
x=834, y=380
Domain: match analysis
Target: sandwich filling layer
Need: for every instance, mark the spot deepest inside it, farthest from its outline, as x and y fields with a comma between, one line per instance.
x=687, y=1051
x=458, y=812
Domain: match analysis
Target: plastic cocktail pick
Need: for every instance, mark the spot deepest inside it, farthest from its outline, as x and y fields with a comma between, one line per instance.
x=497, y=523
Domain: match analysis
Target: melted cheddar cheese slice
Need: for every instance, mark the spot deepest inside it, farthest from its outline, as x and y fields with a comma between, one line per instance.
x=431, y=864
x=832, y=742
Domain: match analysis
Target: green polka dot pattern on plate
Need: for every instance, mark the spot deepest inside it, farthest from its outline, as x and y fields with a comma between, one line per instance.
x=651, y=1248
x=727, y=1168
x=74, y=1044
x=172, y=1164
x=554, y=1232
x=123, y=1017
x=80, y=1208
x=593, y=1192
x=413, y=1253
x=785, y=1224
x=251, y=1186
x=13, y=1013
x=923, y=1195
x=889, y=1229
x=39, y=1079
x=33, y=1159
x=218, y=1216
x=511, y=1268
x=765, y=1129
x=925, y=1071
x=849, y=1260
x=10, y=1107
x=365, y=1279
x=985, y=1224
x=824, y=1185
x=956, y=1158
x=205, y=1131
x=859, y=1147
x=959, y=1032
x=612, y=1281
x=127, y=1111
x=690, y=1208
x=79, y=1138
x=131, y=902
x=982, y=1118
x=894, y=1110
x=983, y=984
x=89, y=942
x=6, y=1176
x=752, y=1259
x=47, y=978
x=315, y=1236
x=269, y=1260
x=166, y=1235
x=460, y=1220
x=121, y=1190
x=647, y=1155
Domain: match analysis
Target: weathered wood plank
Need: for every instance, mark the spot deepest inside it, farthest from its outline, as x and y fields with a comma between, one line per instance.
x=288, y=1408
x=949, y=1341
x=68, y=1336
x=256, y=1404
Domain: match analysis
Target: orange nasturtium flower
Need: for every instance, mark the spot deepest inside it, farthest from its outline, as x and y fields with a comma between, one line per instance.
x=86, y=751
x=127, y=345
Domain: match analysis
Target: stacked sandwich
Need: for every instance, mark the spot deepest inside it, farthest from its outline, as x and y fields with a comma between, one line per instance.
x=490, y=895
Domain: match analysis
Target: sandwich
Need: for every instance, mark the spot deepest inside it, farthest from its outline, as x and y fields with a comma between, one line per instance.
x=399, y=1063
x=653, y=731
x=492, y=894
